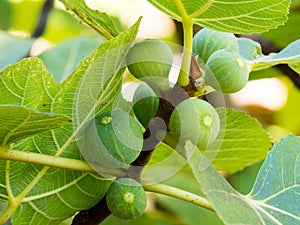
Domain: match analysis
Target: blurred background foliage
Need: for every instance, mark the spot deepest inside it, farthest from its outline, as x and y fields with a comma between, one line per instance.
x=66, y=41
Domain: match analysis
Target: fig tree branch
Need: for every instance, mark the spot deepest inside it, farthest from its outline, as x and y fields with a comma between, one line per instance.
x=94, y=215
x=41, y=25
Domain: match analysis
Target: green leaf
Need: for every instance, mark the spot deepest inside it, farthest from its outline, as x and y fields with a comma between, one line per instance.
x=228, y=15
x=43, y=195
x=28, y=83
x=276, y=190
x=289, y=55
x=274, y=199
x=17, y=122
x=286, y=34
x=13, y=49
x=99, y=21
x=240, y=143
x=62, y=59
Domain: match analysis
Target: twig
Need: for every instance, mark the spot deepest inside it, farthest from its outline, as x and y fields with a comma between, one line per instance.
x=94, y=215
x=41, y=25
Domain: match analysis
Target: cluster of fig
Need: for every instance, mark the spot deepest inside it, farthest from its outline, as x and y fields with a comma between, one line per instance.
x=193, y=119
x=120, y=142
x=223, y=67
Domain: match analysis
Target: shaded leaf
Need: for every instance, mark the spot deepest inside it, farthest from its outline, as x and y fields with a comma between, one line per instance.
x=17, y=122
x=13, y=49
x=229, y=15
x=62, y=59
x=249, y=49
x=274, y=199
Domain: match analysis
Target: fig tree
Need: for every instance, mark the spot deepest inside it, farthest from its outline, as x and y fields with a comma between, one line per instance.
x=207, y=41
x=226, y=71
x=126, y=198
x=195, y=120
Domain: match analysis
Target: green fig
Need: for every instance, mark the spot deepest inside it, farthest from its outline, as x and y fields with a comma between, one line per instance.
x=126, y=199
x=207, y=41
x=226, y=71
x=195, y=120
x=145, y=104
x=150, y=58
x=120, y=137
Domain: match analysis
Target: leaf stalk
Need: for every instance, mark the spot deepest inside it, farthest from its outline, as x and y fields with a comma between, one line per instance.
x=179, y=194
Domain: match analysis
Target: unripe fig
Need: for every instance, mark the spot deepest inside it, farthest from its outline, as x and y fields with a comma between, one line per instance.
x=226, y=71
x=145, y=104
x=150, y=58
x=126, y=199
x=207, y=41
x=120, y=137
x=195, y=120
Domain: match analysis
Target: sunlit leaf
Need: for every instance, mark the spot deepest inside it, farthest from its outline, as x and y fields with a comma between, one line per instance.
x=286, y=34
x=99, y=21
x=234, y=16
x=274, y=199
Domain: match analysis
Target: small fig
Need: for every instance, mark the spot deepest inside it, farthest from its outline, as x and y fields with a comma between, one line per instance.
x=126, y=199
x=145, y=104
x=226, y=71
x=207, y=41
x=120, y=137
x=195, y=120
x=150, y=58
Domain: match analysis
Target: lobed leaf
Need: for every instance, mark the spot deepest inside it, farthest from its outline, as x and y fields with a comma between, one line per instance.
x=248, y=16
x=274, y=199
x=43, y=195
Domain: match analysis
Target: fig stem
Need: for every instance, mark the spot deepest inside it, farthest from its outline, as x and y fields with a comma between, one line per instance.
x=179, y=194
x=183, y=78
